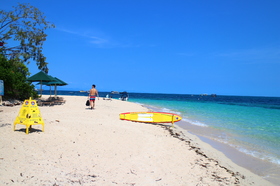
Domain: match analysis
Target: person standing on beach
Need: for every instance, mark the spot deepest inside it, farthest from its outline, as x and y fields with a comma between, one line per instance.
x=92, y=95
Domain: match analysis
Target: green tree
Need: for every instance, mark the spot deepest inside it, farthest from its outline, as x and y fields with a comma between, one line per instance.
x=14, y=73
x=26, y=25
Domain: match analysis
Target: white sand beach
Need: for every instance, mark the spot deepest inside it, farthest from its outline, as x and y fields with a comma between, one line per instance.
x=94, y=147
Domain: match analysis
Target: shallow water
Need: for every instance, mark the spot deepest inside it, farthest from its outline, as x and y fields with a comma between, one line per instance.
x=248, y=129
x=250, y=125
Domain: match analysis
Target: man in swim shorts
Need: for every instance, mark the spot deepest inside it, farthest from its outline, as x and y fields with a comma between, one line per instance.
x=92, y=95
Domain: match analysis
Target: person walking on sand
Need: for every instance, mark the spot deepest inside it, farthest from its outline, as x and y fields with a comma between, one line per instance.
x=92, y=95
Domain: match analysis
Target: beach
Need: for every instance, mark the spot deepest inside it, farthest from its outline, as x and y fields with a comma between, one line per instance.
x=94, y=147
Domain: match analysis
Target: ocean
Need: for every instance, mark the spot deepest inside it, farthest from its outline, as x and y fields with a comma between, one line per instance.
x=250, y=125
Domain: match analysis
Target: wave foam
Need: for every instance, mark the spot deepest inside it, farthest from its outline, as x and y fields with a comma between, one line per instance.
x=198, y=123
x=259, y=155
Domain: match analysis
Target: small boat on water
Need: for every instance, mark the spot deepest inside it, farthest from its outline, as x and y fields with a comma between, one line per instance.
x=82, y=91
x=114, y=92
x=123, y=95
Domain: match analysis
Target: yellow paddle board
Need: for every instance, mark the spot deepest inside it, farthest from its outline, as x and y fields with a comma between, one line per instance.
x=150, y=117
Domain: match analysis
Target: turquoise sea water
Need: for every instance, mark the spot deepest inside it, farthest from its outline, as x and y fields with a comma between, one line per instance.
x=249, y=124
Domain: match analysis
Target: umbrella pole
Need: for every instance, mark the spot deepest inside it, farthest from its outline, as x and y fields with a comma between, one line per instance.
x=41, y=89
x=55, y=91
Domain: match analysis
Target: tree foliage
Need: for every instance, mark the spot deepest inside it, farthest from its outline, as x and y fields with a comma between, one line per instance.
x=14, y=73
x=26, y=25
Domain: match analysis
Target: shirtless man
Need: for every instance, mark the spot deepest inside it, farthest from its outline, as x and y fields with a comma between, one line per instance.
x=92, y=94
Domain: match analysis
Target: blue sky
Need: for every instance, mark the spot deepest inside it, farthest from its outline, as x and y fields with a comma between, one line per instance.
x=227, y=47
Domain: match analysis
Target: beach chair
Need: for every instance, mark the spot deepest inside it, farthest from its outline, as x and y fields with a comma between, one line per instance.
x=42, y=102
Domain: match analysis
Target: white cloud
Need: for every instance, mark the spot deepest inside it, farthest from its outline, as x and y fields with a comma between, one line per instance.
x=92, y=38
x=268, y=55
x=100, y=40
x=97, y=40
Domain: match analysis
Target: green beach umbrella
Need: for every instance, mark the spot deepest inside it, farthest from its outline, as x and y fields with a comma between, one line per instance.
x=40, y=77
x=55, y=82
x=50, y=84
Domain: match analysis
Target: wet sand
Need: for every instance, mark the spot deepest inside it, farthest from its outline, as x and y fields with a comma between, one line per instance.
x=94, y=147
x=265, y=169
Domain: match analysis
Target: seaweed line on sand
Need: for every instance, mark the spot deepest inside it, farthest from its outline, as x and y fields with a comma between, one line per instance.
x=179, y=135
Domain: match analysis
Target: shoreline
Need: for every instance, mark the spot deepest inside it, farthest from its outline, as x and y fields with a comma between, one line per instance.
x=265, y=169
x=96, y=147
